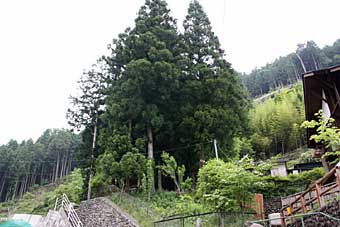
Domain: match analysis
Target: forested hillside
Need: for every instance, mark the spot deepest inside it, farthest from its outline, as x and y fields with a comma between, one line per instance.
x=288, y=69
x=27, y=163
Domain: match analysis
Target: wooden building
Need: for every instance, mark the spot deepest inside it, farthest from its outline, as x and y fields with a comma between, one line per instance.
x=321, y=91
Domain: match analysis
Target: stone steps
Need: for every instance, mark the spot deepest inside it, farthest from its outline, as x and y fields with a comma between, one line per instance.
x=55, y=219
x=102, y=212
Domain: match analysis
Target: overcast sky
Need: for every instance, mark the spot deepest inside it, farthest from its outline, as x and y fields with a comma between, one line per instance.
x=45, y=45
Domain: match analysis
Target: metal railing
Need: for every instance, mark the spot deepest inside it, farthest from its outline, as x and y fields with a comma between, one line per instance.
x=210, y=219
x=67, y=206
x=299, y=220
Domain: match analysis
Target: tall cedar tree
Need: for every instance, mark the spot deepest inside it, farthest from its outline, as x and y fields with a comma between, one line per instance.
x=87, y=108
x=215, y=104
x=144, y=62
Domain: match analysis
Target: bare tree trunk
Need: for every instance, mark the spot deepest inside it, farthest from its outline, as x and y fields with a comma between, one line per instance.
x=63, y=166
x=57, y=168
x=15, y=189
x=92, y=157
x=202, y=156
x=69, y=164
x=160, y=180
x=296, y=75
x=221, y=215
x=316, y=65
x=24, y=186
x=150, y=153
x=301, y=62
x=3, y=184
x=130, y=128
x=150, y=143
x=42, y=174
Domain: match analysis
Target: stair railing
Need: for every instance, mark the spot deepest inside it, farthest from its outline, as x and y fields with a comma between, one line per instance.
x=316, y=196
x=70, y=212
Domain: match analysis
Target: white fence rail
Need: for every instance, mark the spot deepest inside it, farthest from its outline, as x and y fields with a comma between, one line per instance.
x=69, y=210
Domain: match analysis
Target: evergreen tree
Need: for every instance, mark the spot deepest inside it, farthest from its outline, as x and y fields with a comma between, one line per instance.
x=144, y=87
x=88, y=106
x=144, y=63
x=215, y=105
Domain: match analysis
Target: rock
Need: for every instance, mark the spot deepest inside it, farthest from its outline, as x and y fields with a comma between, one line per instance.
x=256, y=225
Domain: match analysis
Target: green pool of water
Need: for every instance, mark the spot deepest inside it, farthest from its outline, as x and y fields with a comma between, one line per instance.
x=12, y=223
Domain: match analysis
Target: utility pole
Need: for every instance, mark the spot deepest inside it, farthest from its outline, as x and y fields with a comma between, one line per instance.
x=215, y=146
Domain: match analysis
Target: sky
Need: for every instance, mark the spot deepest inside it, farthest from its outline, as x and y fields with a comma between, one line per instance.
x=46, y=44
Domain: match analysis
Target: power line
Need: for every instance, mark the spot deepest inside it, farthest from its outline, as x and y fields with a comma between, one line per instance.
x=182, y=148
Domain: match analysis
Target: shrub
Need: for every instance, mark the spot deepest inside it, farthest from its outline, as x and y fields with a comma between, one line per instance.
x=226, y=186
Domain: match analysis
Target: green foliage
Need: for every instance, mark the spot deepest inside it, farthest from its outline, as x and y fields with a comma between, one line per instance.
x=226, y=186
x=136, y=206
x=162, y=204
x=33, y=202
x=293, y=183
x=188, y=205
x=214, y=103
x=72, y=187
x=120, y=162
x=175, y=172
x=171, y=89
x=259, y=169
x=148, y=179
x=327, y=134
x=271, y=120
x=243, y=146
x=306, y=156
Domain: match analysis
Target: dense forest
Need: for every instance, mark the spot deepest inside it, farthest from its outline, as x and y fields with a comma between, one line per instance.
x=27, y=163
x=288, y=69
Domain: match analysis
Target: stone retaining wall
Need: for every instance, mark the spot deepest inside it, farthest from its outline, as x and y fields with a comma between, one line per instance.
x=102, y=212
x=272, y=205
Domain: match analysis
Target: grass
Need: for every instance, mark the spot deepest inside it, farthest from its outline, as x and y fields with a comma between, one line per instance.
x=161, y=205
x=144, y=214
x=165, y=204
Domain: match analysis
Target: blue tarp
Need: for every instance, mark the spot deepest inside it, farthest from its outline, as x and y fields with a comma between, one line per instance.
x=15, y=223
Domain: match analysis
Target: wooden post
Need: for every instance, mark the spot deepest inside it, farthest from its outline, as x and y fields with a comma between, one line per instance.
x=303, y=204
x=337, y=176
x=221, y=219
x=260, y=206
x=318, y=195
x=283, y=220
